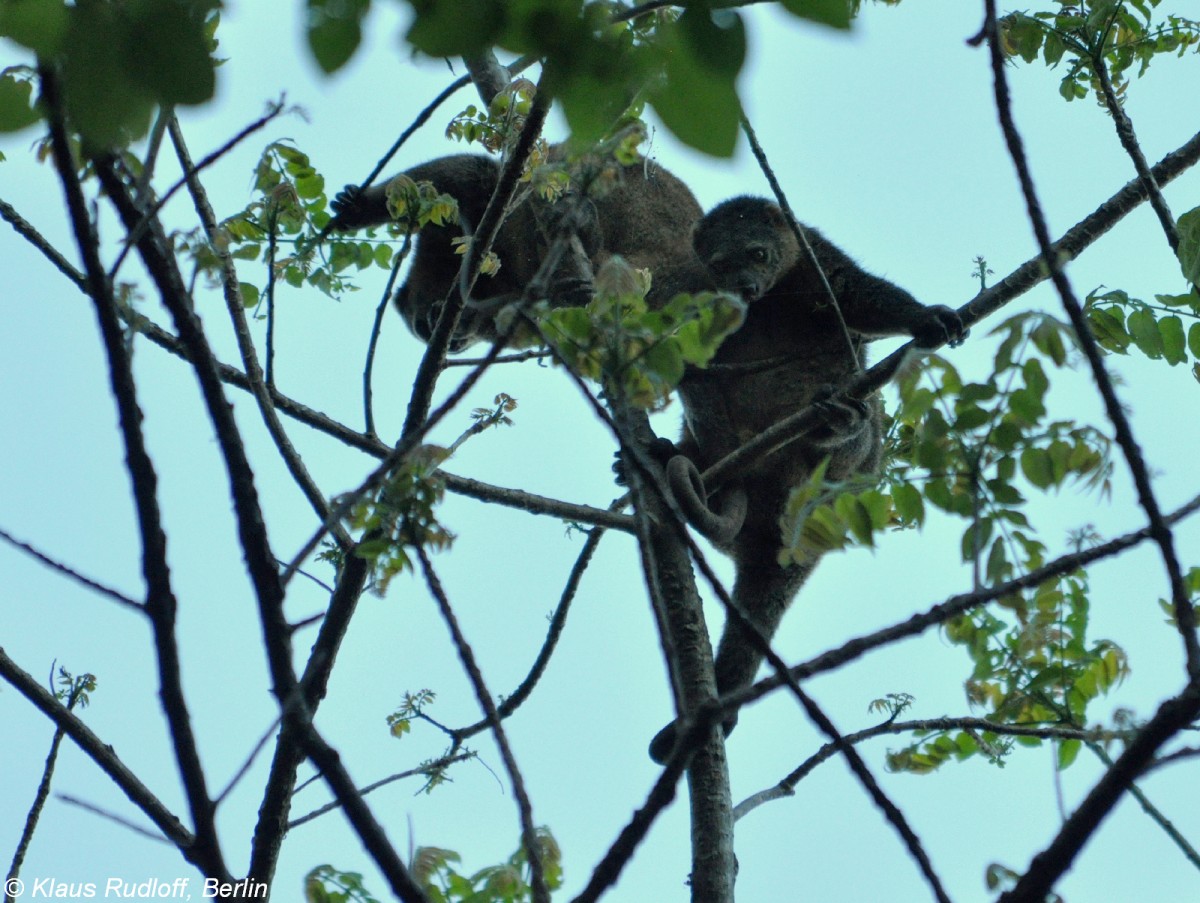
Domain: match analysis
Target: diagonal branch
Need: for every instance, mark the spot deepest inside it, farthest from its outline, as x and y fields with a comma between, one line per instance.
x=952, y=607
x=237, y=314
x=105, y=758
x=160, y=598
x=540, y=892
x=1185, y=616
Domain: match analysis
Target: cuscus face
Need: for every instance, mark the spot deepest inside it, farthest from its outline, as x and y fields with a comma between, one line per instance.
x=744, y=244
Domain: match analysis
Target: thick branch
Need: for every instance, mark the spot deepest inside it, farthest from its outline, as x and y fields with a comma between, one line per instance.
x=277, y=795
x=160, y=599
x=1048, y=866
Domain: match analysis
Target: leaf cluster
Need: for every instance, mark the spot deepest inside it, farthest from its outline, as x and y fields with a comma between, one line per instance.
x=290, y=207
x=435, y=870
x=598, y=59
x=631, y=350
x=1115, y=33
x=1122, y=323
x=1042, y=670
x=118, y=60
x=402, y=514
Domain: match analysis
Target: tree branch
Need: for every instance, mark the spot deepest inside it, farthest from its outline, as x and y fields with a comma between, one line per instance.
x=106, y=759
x=241, y=329
x=1185, y=616
x=939, y=614
x=787, y=786
x=160, y=599
x=529, y=838
x=71, y=573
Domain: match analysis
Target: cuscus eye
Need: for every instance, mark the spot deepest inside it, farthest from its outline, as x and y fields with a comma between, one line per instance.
x=758, y=255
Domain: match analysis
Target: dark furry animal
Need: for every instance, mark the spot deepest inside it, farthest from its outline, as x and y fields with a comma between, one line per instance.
x=646, y=216
x=788, y=354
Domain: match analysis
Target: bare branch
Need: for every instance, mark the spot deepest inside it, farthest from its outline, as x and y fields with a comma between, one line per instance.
x=111, y=816
x=105, y=758
x=541, y=894
x=91, y=584
x=481, y=242
x=272, y=823
x=512, y=702
x=160, y=599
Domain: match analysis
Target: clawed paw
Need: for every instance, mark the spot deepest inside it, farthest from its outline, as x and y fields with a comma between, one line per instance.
x=842, y=417
x=942, y=326
x=661, y=450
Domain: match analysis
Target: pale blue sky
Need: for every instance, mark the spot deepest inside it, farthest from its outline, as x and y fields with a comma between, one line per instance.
x=886, y=139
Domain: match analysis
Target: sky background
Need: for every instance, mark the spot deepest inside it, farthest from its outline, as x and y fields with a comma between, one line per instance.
x=884, y=138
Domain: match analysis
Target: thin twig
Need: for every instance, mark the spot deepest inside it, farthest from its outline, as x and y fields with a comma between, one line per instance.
x=541, y=894
x=1185, y=616
x=1152, y=811
x=422, y=771
x=802, y=239
x=113, y=817
x=376, y=331
x=105, y=758
x=1128, y=139
x=73, y=574
x=559, y=619
x=39, y=800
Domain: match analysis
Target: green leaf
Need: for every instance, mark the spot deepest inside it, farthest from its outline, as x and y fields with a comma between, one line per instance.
x=1188, y=227
x=698, y=101
x=168, y=50
x=16, y=110
x=1174, y=345
x=103, y=102
x=250, y=294
x=335, y=31
x=1109, y=329
x=665, y=361
x=1144, y=329
x=40, y=25
x=1037, y=467
x=909, y=504
x=834, y=13
x=455, y=27
x=856, y=516
x=1067, y=751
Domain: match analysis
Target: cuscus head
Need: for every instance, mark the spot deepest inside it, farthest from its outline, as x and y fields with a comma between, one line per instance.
x=746, y=245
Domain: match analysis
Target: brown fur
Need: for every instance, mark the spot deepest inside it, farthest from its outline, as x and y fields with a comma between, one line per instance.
x=646, y=217
x=789, y=353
